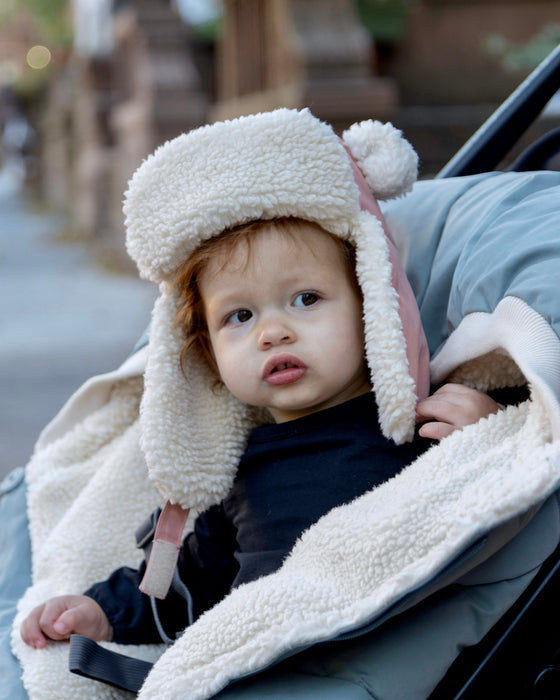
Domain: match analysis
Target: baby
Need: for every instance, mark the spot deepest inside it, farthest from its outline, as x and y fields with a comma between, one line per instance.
x=276, y=314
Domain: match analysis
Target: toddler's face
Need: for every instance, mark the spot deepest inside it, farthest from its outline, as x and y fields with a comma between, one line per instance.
x=285, y=323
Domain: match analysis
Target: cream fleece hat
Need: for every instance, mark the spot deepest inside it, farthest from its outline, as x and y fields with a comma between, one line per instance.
x=264, y=166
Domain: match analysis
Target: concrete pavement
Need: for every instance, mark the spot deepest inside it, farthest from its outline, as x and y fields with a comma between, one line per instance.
x=62, y=320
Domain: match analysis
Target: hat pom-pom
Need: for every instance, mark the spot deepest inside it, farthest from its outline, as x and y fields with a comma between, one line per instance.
x=385, y=157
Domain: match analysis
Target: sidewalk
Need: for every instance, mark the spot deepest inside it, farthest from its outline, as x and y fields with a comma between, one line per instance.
x=62, y=320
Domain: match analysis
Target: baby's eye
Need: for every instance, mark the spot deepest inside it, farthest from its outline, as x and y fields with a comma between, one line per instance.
x=306, y=299
x=238, y=317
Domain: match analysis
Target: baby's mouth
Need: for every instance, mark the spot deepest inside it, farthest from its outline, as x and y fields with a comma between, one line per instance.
x=283, y=370
x=282, y=366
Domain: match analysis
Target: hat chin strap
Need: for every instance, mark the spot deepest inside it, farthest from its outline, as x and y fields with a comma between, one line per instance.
x=165, y=551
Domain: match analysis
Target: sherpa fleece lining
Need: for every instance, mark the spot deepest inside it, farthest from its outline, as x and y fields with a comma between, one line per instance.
x=282, y=163
x=88, y=486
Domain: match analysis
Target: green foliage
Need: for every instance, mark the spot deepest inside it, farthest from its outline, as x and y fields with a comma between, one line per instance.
x=45, y=22
x=208, y=32
x=51, y=18
x=384, y=19
x=6, y=10
x=523, y=57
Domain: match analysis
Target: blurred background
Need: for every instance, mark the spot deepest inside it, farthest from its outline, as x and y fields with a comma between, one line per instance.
x=88, y=88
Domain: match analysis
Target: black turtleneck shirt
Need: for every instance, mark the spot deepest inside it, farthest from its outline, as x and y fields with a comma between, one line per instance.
x=289, y=476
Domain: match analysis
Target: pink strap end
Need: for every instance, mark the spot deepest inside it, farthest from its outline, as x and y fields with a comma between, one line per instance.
x=165, y=551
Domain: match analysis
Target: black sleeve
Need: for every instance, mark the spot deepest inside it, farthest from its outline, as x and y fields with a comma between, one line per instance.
x=207, y=567
x=127, y=608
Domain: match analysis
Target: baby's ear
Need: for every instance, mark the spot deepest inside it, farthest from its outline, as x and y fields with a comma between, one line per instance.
x=385, y=157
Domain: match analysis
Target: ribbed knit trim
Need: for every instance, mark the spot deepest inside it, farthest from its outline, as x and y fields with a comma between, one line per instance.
x=515, y=329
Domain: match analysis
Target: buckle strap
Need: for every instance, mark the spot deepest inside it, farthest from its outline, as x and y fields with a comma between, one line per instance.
x=147, y=529
x=90, y=660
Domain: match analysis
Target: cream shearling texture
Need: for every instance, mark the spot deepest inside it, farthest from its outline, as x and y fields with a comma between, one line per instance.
x=389, y=166
x=403, y=532
x=125, y=443
x=281, y=163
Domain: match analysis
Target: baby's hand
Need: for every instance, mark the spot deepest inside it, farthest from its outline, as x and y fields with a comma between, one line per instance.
x=451, y=407
x=62, y=616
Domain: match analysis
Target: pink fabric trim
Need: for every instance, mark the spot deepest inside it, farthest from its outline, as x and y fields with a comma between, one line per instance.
x=162, y=562
x=416, y=345
x=171, y=523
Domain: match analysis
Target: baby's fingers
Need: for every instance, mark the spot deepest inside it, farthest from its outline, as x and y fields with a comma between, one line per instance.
x=85, y=617
x=31, y=629
x=434, y=430
x=60, y=617
x=51, y=615
x=79, y=619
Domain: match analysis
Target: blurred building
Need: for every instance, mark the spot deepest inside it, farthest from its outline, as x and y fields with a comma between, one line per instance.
x=290, y=53
x=139, y=74
x=129, y=84
x=143, y=71
x=457, y=60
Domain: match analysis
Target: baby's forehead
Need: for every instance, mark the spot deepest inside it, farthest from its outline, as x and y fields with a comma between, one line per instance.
x=290, y=239
x=275, y=260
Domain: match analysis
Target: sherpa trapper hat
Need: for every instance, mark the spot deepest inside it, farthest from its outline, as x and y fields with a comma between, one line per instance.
x=276, y=164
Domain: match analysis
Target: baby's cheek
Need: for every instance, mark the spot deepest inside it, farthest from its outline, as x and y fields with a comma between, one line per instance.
x=238, y=376
x=352, y=349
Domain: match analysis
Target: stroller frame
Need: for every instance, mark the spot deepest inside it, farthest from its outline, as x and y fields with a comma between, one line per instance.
x=519, y=658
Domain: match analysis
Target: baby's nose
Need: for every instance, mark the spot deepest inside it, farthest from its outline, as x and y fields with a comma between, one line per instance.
x=273, y=333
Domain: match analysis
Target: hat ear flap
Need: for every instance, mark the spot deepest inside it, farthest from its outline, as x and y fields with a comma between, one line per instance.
x=385, y=157
x=194, y=430
x=385, y=340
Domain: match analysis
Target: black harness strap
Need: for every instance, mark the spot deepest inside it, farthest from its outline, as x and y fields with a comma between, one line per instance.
x=89, y=659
